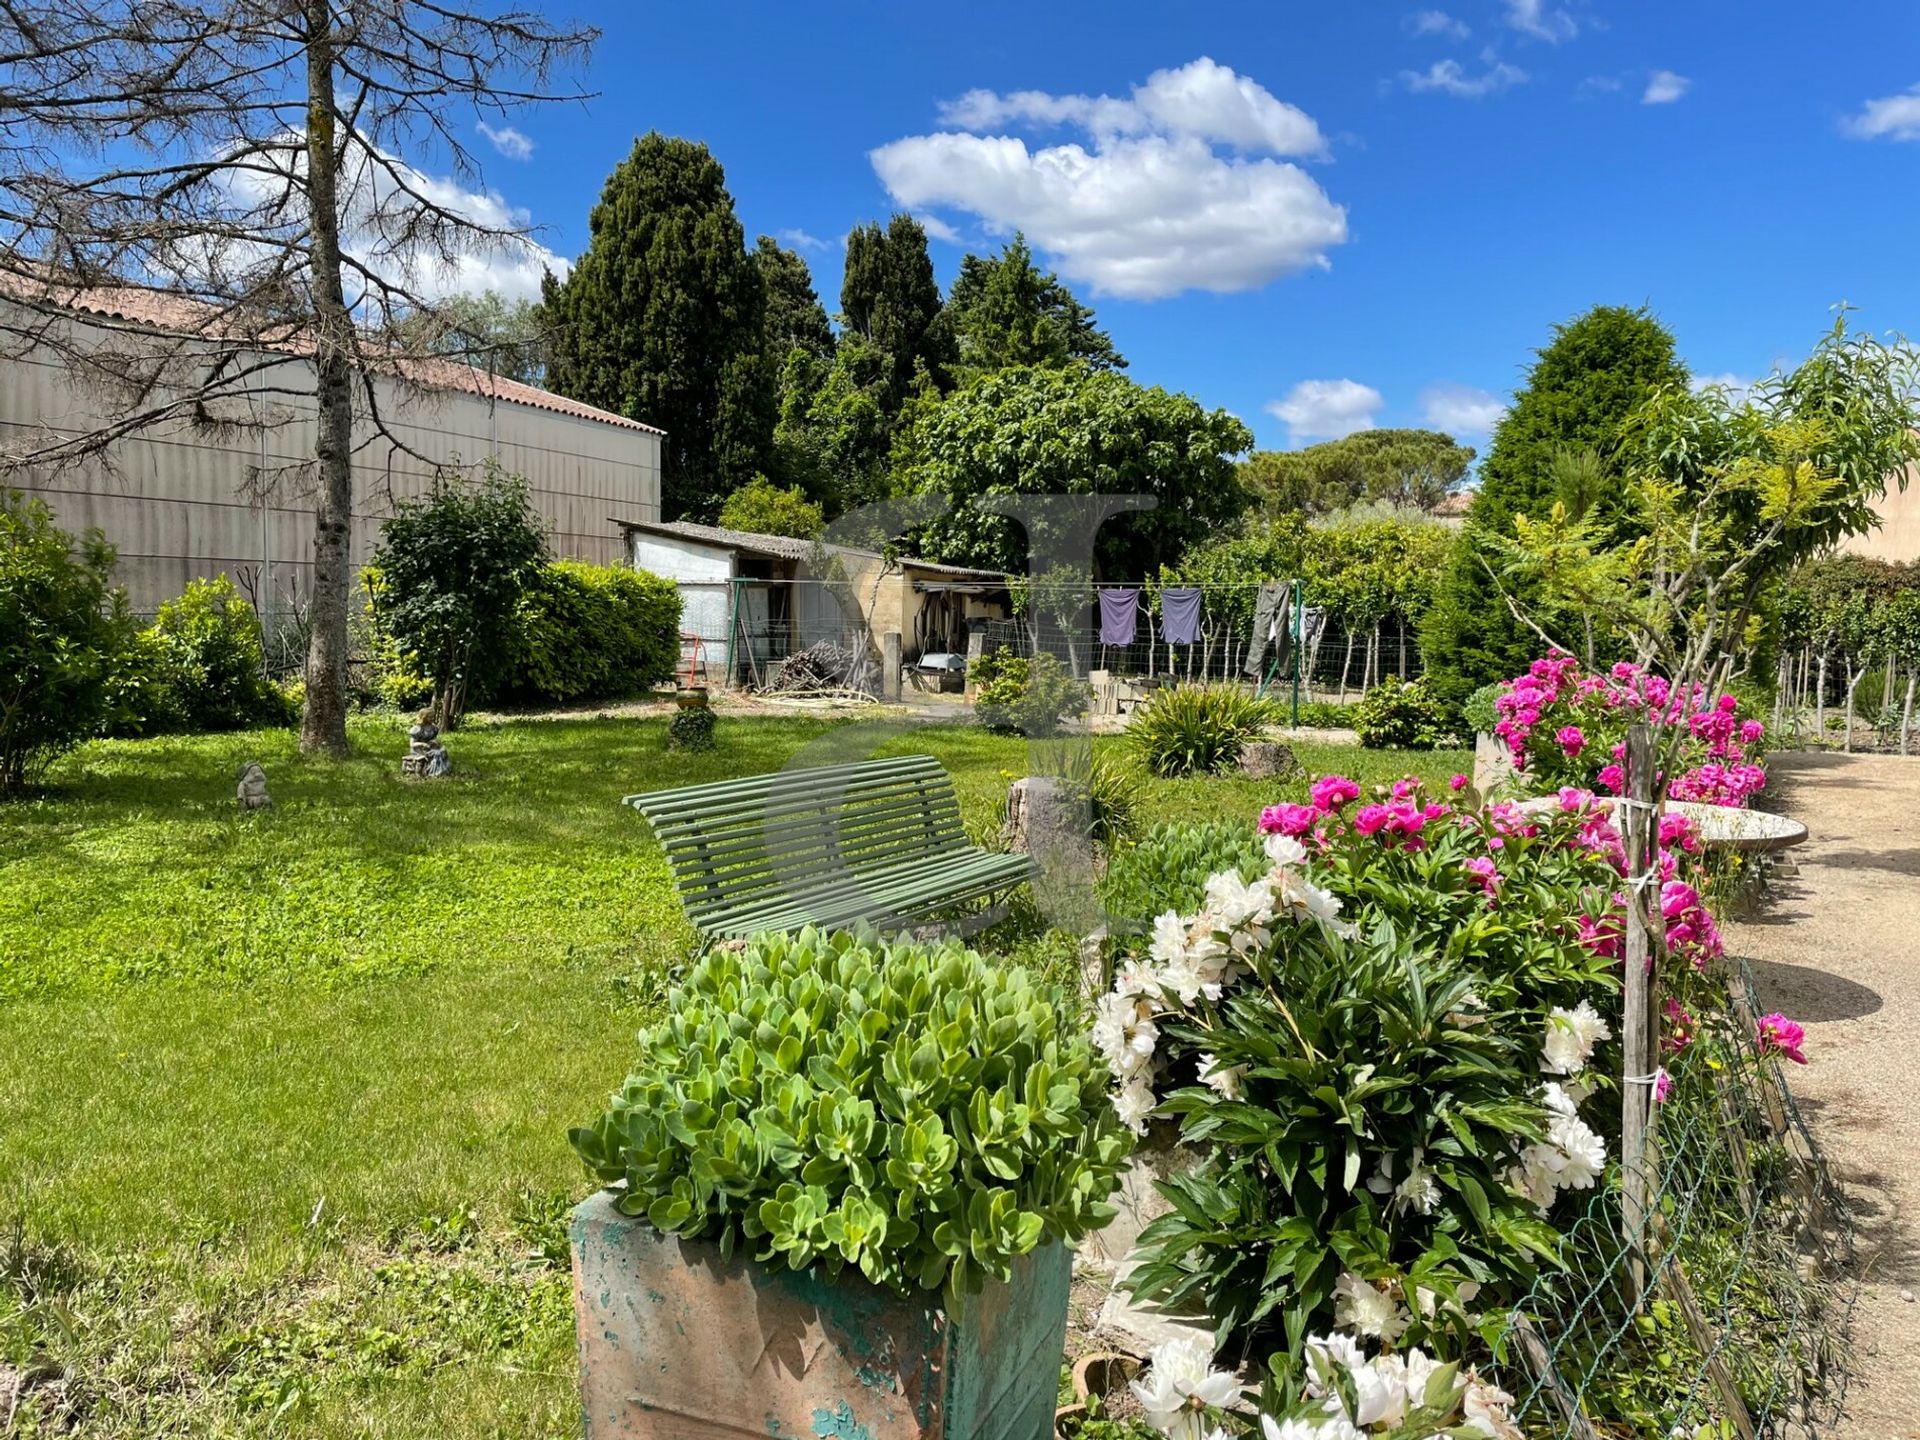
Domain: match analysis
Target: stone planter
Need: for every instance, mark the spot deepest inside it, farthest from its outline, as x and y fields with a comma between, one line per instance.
x=694, y=697
x=678, y=1344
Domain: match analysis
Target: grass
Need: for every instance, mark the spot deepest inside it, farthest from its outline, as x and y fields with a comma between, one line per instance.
x=284, y=1096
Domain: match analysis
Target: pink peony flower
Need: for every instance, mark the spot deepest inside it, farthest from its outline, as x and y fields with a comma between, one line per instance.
x=1779, y=1035
x=1612, y=778
x=1458, y=782
x=1679, y=1027
x=1571, y=740
x=1371, y=819
x=1662, y=1085
x=1288, y=819
x=1330, y=792
x=1486, y=872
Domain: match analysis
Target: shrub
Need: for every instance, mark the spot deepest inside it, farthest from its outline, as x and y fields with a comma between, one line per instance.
x=1196, y=729
x=1112, y=793
x=1028, y=695
x=1399, y=715
x=912, y=1110
x=452, y=566
x=592, y=632
x=64, y=636
x=1478, y=714
x=691, y=730
x=762, y=508
x=211, y=661
x=1168, y=868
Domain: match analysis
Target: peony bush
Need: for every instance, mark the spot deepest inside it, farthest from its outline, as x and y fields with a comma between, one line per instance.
x=1564, y=726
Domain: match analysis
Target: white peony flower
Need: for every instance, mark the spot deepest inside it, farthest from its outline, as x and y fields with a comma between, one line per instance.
x=1367, y=1310
x=1137, y=981
x=1334, y=1427
x=1169, y=938
x=1379, y=1392
x=1583, y=1153
x=1228, y=1081
x=1419, y=1191
x=1308, y=901
x=1183, y=982
x=1124, y=1034
x=1284, y=850
x=1483, y=1408
x=1180, y=1385
x=1238, y=903
x=1335, y=1350
x=1571, y=1036
x=1133, y=1103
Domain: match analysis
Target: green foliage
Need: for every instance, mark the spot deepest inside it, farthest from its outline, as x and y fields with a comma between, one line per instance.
x=692, y=729
x=1074, y=431
x=1005, y=310
x=1478, y=714
x=762, y=508
x=913, y=1111
x=65, y=636
x=1413, y=468
x=1594, y=372
x=1112, y=793
x=1400, y=715
x=795, y=318
x=1168, y=868
x=591, y=632
x=207, y=653
x=452, y=566
x=1196, y=729
x=889, y=298
x=1030, y=695
x=663, y=320
x=484, y=331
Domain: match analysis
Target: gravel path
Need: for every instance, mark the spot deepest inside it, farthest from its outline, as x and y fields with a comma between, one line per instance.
x=1839, y=950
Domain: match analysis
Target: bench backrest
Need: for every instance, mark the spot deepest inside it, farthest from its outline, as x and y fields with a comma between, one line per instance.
x=767, y=835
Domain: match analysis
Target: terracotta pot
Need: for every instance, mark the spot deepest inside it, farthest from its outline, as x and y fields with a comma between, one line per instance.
x=677, y=1342
x=694, y=697
x=1067, y=1421
x=1102, y=1374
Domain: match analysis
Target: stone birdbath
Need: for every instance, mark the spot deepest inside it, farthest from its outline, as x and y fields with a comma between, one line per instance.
x=1746, y=831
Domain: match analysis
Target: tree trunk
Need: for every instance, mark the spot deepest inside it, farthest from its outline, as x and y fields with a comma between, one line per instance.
x=1854, y=677
x=1820, y=703
x=1346, y=668
x=1906, y=714
x=323, y=723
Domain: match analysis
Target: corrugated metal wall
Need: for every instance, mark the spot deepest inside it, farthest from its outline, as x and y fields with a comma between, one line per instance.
x=179, y=504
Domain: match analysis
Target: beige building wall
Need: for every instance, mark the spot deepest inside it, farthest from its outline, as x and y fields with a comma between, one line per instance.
x=1898, y=537
x=180, y=504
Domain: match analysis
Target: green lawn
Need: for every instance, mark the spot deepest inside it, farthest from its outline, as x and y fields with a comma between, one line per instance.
x=283, y=1096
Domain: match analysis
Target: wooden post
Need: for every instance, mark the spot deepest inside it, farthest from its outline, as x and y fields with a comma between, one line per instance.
x=890, y=666
x=1906, y=714
x=1820, y=703
x=1639, y=1035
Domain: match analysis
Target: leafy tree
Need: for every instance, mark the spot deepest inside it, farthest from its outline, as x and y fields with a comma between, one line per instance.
x=763, y=508
x=64, y=630
x=207, y=643
x=1594, y=372
x=833, y=431
x=663, y=320
x=1038, y=431
x=890, y=299
x=1415, y=469
x=1005, y=310
x=485, y=331
x=796, y=320
x=449, y=572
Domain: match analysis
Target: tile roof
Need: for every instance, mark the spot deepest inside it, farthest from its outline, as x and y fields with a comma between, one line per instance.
x=782, y=547
x=165, y=310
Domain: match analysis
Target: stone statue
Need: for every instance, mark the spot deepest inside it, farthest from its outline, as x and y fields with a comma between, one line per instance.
x=252, y=789
x=426, y=756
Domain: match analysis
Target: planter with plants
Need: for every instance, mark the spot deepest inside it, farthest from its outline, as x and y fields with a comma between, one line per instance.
x=841, y=1185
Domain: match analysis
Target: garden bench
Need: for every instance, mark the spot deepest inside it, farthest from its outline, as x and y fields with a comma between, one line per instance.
x=877, y=842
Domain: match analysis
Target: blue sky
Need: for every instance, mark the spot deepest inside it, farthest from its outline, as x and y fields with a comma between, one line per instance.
x=1316, y=216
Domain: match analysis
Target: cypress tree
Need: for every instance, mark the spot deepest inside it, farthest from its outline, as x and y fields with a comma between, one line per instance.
x=890, y=299
x=663, y=320
x=796, y=320
x=1006, y=311
x=1592, y=374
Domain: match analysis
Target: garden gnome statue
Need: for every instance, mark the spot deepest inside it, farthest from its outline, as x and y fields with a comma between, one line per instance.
x=252, y=789
x=425, y=754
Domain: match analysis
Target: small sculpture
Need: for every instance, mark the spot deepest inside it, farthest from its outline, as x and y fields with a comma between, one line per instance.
x=252, y=789
x=425, y=754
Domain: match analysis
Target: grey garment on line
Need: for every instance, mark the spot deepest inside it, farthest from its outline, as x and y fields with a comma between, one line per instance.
x=1272, y=609
x=1119, y=615
x=1180, y=615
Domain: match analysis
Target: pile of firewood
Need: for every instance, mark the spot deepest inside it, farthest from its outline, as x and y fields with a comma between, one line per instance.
x=824, y=669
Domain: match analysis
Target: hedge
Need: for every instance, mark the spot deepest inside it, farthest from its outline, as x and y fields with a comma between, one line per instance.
x=592, y=632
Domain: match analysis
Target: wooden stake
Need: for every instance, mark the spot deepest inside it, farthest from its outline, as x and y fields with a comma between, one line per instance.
x=1674, y=1281
x=1639, y=1037
x=1533, y=1350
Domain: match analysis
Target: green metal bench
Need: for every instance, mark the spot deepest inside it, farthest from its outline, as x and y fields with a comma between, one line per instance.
x=878, y=842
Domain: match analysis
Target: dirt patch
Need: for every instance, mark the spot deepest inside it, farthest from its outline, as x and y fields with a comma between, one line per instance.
x=1835, y=950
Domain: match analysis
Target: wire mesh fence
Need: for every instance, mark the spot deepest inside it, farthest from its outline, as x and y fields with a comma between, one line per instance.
x=1723, y=1315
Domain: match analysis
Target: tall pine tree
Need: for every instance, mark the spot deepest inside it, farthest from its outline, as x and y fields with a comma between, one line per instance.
x=663, y=320
x=890, y=299
x=796, y=320
x=1005, y=310
x=1583, y=385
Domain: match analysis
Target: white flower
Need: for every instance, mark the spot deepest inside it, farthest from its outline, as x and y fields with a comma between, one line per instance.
x=1428, y=1304
x=1308, y=901
x=1583, y=1153
x=1228, y=1081
x=1571, y=1036
x=1335, y=1350
x=1238, y=903
x=1181, y=1384
x=1181, y=981
x=1285, y=850
x=1133, y=1102
x=1367, y=1310
x=1137, y=981
x=1379, y=1392
x=1558, y=1102
x=1483, y=1406
x=1124, y=1034
x=1419, y=1190
x=1334, y=1427
x=1169, y=938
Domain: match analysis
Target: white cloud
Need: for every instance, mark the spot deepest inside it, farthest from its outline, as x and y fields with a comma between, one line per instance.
x=938, y=229
x=1150, y=207
x=1461, y=409
x=1736, y=386
x=800, y=239
x=1897, y=117
x=1202, y=100
x=1449, y=77
x=1599, y=85
x=507, y=140
x=1664, y=87
x=1326, y=409
x=1437, y=22
x=1542, y=21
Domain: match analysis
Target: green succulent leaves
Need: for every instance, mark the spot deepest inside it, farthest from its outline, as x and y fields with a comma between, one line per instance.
x=912, y=1110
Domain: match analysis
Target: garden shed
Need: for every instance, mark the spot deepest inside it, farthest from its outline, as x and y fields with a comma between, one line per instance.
x=749, y=600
